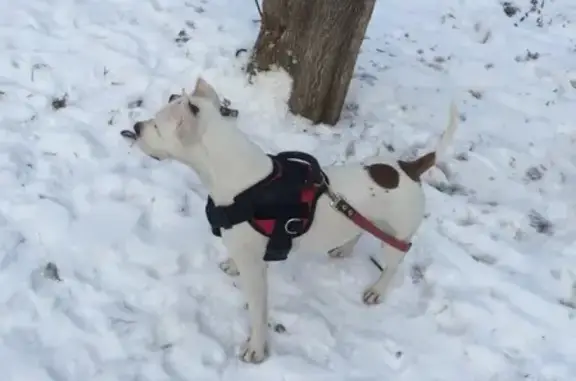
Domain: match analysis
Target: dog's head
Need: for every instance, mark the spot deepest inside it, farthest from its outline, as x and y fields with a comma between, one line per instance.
x=179, y=125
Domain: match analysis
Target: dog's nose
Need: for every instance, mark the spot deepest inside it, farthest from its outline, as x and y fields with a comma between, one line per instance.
x=138, y=128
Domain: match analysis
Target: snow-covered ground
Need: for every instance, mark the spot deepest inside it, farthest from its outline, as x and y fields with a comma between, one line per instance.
x=108, y=270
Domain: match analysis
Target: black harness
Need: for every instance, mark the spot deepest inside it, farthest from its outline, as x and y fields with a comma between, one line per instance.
x=281, y=206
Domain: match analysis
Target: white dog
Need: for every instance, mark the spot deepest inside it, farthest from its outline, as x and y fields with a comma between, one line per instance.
x=381, y=196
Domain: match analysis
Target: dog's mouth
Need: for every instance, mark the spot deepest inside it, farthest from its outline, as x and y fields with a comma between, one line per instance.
x=131, y=135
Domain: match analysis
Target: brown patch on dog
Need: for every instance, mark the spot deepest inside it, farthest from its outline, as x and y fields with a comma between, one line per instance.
x=414, y=169
x=384, y=175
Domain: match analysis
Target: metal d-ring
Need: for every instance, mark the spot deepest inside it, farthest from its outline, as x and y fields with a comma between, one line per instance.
x=287, y=226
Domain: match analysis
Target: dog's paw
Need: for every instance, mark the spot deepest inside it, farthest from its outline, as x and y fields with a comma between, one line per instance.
x=344, y=250
x=339, y=252
x=252, y=353
x=229, y=267
x=372, y=296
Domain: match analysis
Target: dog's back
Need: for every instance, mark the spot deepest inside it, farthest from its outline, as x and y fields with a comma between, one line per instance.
x=385, y=190
x=389, y=191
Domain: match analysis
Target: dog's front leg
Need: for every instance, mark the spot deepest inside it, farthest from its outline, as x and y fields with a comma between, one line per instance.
x=392, y=257
x=253, y=281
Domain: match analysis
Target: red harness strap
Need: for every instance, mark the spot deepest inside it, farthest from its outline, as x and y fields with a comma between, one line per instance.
x=347, y=210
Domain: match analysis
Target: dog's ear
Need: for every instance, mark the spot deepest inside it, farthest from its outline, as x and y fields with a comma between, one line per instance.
x=204, y=90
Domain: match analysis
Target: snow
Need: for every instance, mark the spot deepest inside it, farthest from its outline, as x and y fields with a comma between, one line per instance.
x=108, y=270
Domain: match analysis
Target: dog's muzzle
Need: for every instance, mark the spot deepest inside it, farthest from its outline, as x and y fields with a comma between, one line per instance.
x=132, y=135
x=128, y=134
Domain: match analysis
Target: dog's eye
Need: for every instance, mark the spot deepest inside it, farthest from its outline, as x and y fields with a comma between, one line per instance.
x=193, y=108
x=172, y=97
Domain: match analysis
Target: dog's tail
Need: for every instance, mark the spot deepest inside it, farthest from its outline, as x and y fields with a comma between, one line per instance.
x=448, y=134
x=414, y=169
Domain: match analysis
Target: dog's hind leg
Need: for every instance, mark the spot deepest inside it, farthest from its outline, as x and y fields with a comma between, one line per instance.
x=376, y=293
x=344, y=250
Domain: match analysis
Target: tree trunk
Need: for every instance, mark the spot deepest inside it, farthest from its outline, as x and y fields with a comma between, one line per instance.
x=317, y=42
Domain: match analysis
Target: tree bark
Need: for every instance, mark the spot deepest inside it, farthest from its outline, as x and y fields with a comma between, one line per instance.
x=317, y=42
